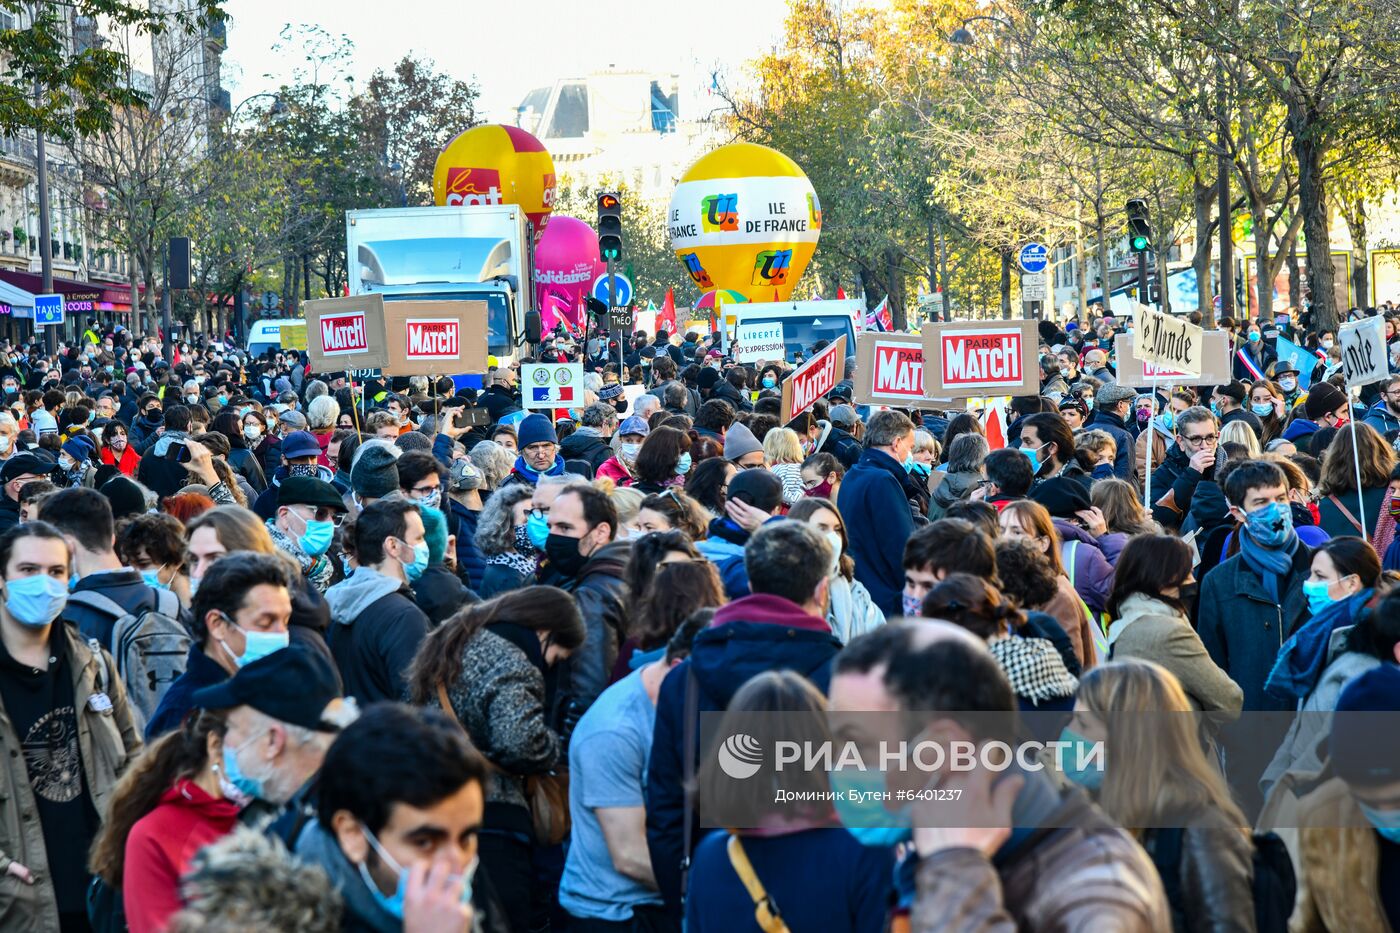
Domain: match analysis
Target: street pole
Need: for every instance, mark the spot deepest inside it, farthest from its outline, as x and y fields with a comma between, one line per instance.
x=167, y=345
x=45, y=234
x=612, y=303
x=1142, y=279
x=1222, y=169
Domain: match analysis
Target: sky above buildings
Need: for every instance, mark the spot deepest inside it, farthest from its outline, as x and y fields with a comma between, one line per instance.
x=508, y=47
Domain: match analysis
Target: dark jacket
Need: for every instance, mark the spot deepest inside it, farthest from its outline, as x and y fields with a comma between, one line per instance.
x=599, y=593
x=499, y=401
x=749, y=636
x=1301, y=432
x=1245, y=415
x=440, y=593
x=469, y=557
x=1336, y=524
x=200, y=671
x=245, y=464
x=733, y=396
x=724, y=547
x=1243, y=629
x=9, y=512
x=123, y=587
x=1174, y=486
x=843, y=446
x=501, y=578
x=874, y=502
x=1207, y=869
x=1124, y=463
x=588, y=447
x=1380, y=418
x=375, y=632
x=954, y=488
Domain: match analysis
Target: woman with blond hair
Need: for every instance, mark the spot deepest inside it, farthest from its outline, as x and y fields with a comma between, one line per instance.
x=1239, y=432
x=1024, y=519
x=1155, y=781
x=783, y=450
x=1123, y=516
x=1342, y=508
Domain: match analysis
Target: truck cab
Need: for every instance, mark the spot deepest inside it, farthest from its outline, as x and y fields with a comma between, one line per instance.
x=804, y=323
x=469, y=253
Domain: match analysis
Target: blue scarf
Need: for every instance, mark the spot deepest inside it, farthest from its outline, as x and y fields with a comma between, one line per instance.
x=1269, y=563
x=1301, y=659
x=533, y=475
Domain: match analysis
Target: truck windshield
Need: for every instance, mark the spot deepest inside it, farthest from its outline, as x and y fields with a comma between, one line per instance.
x=498, y=337
x=801, y=334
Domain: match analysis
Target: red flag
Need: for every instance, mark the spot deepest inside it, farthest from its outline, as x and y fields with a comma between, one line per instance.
x=840, y=293
x=994, y=426
x=667, y=316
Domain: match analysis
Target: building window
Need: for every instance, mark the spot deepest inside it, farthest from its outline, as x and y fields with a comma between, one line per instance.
x=663, y=109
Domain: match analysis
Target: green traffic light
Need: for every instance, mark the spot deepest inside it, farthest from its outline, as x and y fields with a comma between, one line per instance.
x=1139, y=243
x=610, y=254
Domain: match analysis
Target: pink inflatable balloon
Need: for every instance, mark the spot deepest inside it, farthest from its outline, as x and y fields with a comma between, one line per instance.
x=566, y=261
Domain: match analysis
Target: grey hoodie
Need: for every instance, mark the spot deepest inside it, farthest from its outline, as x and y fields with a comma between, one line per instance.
x=353, y=595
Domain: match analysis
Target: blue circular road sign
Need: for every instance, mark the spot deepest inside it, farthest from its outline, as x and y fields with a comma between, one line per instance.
x=1034, y=258
x=624, y=289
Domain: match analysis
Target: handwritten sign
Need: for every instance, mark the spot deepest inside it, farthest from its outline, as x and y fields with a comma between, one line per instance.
x=981, y=358
x=1363, y=350
x=1171, y=344
x=760, y=343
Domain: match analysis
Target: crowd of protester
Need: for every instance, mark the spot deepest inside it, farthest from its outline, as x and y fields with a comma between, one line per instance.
x=284, y=651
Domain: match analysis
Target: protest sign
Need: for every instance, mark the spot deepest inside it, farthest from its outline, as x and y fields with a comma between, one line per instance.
x=1170, y=343
x=760, y=343
x=1363, y=350
x=889, y=370
x=813, y=379
x=551, y=385
x=431, y=338
x=981, y=358
x=346, y=333
x=1139, y=374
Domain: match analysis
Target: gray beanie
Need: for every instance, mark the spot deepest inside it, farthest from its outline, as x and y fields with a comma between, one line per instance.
x=738, y=441
x=376, y=472
x=413, y=440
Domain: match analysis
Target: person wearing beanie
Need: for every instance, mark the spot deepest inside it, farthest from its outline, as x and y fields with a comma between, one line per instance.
x=1228, y=405
x=628, y=440
x=539, y=451
x=375, y=472
x=742, y=449
x=75, y=462
x=754, y=497
x=1326, y=406
x=125, y=496
x=1349, y=827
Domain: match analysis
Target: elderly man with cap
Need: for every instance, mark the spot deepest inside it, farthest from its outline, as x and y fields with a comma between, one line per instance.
x=1326, y=407
x=283, y=711
x=841, y=443
x=302, y=452
x=304, y=526
x=1113, y=409
x=1228, y=404
x=754, y=497
x=539, y=452
x=18, y=470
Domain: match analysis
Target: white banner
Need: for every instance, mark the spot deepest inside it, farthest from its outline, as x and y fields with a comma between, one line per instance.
x=760, y=343
x=1363, y=350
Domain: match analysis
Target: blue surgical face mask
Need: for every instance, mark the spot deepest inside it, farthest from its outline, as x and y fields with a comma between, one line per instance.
x=35, y=601
x=868, y=819
x=769, y=382
x=628, y=452
x=420, y=562
x=1318, y=592
x=1166, y=419
x=1385, y=822
x=1033, y=455
x=1253, y=336
x=255, y=644
x=537, y=527
x=683, y=465
x=1090, y=776
x=1263, y=411
x=245, y=784
x=909, y=463
x=1270, y=525
x=393, y=903
x=152, y=578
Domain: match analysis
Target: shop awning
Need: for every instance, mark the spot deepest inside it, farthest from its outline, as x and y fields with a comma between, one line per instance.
x=15, y=301
x=77, y=296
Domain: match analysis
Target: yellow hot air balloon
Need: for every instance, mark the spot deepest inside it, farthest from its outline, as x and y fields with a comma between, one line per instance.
x=494, y=164
x=745, y=217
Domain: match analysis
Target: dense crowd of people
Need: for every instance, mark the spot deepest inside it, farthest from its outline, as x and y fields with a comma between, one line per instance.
x=284, y=651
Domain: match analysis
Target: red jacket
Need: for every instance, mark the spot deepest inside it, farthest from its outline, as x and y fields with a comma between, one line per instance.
x=325, y=441
x=161, y=847
x=128, y=463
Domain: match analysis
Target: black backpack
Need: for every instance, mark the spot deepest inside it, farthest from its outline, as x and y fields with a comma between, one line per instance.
x=1275, y=886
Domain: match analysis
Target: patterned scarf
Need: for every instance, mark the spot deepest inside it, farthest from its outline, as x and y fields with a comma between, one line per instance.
x=318, y=570
x=1034, y=667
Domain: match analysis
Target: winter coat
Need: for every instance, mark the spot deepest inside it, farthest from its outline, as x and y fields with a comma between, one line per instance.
x=954, y=488
x=1161, y=440
x=843, y=446
x=1338, y=868
x=852, y=612
x=749, y=636
x=246, y=465
x=1214, y=872
x=1380, y=418
x=1245, y=415
x=613, y=469
x=161, y=847
x=591, y=447
x=1153, y=631
x=1085, y=875
x=1301, y=432
x=1174, y=486
x=598, y=590
x=126, y=463
x=733, y=396
x=1367, y=510
x=501, y=578
x=1111, y=543
x=499, y=698
x=375, y=632
x=1088, y=570
x=108, y=741
x=1124, y=465
x=724, y=547
x=469, y=557
x=1243, y=629
x=1068, y=610
x=874, y=502
x=440, y=593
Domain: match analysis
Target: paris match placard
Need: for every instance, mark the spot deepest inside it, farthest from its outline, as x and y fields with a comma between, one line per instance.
x=889, y=369
x=813, y=379
x=346, y=333
x=436, y=338
x=968, y=358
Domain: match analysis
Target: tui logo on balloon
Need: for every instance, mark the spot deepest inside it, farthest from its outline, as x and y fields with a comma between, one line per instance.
x=745, y=218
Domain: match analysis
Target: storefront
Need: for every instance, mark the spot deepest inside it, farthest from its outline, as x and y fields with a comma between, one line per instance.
x=16, y=312
x=86, y=304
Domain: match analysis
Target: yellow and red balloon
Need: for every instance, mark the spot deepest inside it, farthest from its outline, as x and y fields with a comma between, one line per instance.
x=495, y=164
x=745, y=217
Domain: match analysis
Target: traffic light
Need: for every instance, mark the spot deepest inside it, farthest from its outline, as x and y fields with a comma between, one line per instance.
x=1139, y=230
x=610, y=227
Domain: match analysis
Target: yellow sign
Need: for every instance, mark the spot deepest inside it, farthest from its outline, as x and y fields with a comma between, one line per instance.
x=294, y=336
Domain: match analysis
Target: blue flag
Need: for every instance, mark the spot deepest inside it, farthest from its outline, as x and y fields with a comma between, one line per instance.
x=1300, y=357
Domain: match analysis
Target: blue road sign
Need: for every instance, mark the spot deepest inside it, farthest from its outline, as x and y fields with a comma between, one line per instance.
x=1034, y=258
x=48, y=309
x=624, y=289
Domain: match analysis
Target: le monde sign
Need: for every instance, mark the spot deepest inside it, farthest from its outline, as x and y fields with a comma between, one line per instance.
x=1168, y=342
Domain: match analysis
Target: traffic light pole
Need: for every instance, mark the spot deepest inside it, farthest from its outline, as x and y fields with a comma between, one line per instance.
x=612, y=303
x=1143, y=294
